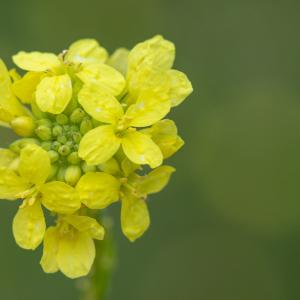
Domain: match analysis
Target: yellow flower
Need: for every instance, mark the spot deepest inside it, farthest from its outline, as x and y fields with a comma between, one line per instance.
x=135, y=219
x=28, y=182
x=97, y=190
x=69, y=247
x=50, y=77
x=101, y=143
x=149, y=66
x=10, y=107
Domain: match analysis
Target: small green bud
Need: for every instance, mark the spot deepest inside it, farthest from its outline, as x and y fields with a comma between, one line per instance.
x=72, y=174
x=74, y=128
x=64, y=150
x=77, y=115
x=66, y=128
x=62, y=139
x=46, y=145
x=18, y=145
x=73, y=158
x=61, y=174
x=87, y=168
x=54, y=156
x=56, y=145
x=86, y=125
x=96, y=123
x=62, y=119
x=45, y=122
x=57, y=130
x=53, y=172
x=23, y=126
x=44, y=133
x=76, y=137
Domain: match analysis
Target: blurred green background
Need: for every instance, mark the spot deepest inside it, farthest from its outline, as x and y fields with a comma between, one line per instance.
x=228, y=224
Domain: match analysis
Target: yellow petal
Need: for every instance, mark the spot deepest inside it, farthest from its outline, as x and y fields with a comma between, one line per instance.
x=119, y=60
x=29, y=226
x=5, y=117
x=140, y=149
x=53, y=94
x=128, y=167
x=99, y=145
x=8, y=102
x=149, y=109
x=155, y=52
x=135, y=219
x=180, y=87
x=76, y=254
x=156, y=180
x=86, y=51
x=11, y=185
x=100, y=104
x=50, y=249
x=59, y=197
x=34, y=164
x=6, y=157
x=36, y=61
x=164, y=134
x=105, y=76
x=25, y=88
x=98, y=190
x=87, y=225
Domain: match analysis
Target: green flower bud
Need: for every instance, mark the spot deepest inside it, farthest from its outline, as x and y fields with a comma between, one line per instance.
x=62, y=139
x=73, y=158
x=54, y=156
x=62, y=119
x=86, y=125
x=76, y=137
x=61, y=174
x=44, y=133
x=46, y=145
x=74, y=128
x=57, y=130
x=56, y=145
x=72, y=174
x=23, y=126
x=87, y=168
x=77, y=115
x=53, y=172
x=18, y=145
x=64, y=150
x=45, y=122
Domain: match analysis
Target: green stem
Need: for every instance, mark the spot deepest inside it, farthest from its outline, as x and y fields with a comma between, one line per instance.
x=97, y=284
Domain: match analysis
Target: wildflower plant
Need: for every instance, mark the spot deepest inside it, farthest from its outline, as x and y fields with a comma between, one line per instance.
x=93, y=131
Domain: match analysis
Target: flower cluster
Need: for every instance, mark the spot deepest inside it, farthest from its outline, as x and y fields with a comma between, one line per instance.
x=92, y=132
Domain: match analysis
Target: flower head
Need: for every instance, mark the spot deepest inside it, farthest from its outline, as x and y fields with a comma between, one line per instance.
x=91, y=124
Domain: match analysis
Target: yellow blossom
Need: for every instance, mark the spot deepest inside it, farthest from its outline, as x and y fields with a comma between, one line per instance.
x=49, y=78
x=69, y=247
x=28, y=182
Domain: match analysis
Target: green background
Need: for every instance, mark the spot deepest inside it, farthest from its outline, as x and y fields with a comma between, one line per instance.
x=228, y=224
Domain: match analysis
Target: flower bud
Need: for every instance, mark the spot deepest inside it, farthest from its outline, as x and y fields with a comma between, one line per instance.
x=77, y=115
x=46, y=145
x=44, y=133
x=54, y=156
x=64, y=150
x=87, y=168
x=56, y=145
x=23, y=126
x=62, y=119
x=62, y=139
x=57, y=130
x=73, y=158
x=61, y=174
x=76, y=137
x=86, y=125
x=53, y=172
x=72, y=174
